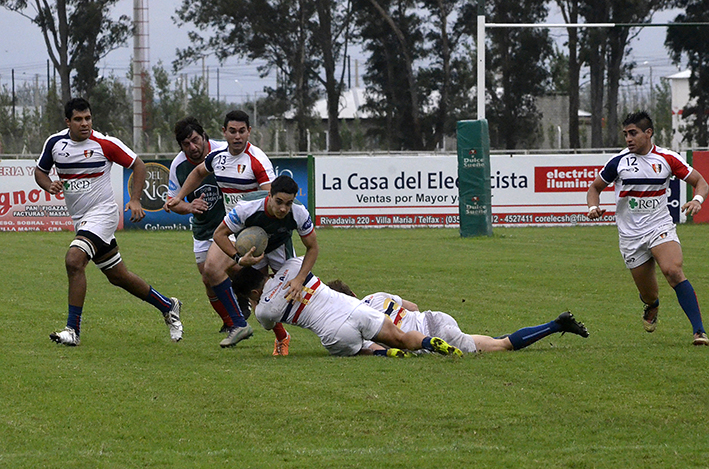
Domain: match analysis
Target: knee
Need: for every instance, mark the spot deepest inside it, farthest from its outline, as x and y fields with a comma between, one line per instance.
x=75, y=262
x=674, y=275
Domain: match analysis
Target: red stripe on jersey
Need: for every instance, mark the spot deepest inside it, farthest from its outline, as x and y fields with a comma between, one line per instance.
x=80, y=176
x=231, y=190
x=306, y=299
x=641, y=193
x=678, y=168
x=257, y=167
x=113, y=152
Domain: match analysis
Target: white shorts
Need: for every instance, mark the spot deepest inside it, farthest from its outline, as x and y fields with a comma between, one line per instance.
x=101, y=224
x=446, y=327
x=201, y=247
x=636, y=251
x=275, y=258
x=363, y=324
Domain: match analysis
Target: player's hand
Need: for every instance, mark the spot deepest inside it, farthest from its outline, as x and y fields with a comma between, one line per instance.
x=692, y=207
x=595, y=212
x=56, y=187
x=136, y=210
x=248, y=259
x=295, y=290
x=199, y=205
x=170, y=203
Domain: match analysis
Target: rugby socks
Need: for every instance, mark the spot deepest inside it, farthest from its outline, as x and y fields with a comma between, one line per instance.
x=528, y=335
x=688, y=301
x=221, y=311
x=280, y=332
x=228, y=300
x=158, y=300
x=380, y=353
x=74, y=319
x=426, y=344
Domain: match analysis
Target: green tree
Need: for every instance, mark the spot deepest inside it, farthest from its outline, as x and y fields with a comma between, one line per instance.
x=77, y=33
x=691, y=42
x=518, y=73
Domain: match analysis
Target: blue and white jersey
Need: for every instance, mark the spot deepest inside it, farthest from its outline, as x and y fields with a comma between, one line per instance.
x=641, y=183
x=84, y=169
x=238, y=174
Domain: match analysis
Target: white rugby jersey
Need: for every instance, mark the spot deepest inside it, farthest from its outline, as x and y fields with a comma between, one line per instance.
x=241, y=173
x=641, y=183
x=402, y=318
x=175, y=183
x=322, y=310
x=85, y=170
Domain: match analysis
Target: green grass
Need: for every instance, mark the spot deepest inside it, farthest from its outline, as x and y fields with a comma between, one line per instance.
x=128, y=397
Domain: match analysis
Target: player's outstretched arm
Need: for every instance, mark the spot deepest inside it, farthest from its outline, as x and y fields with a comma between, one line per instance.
x=190, y=185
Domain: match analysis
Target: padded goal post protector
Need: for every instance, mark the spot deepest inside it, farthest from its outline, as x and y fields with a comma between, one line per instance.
x=475, y=202
x=699, y=161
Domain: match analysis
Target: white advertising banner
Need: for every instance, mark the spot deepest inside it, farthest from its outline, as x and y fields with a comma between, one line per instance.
x=24, y=206
x=395, y=191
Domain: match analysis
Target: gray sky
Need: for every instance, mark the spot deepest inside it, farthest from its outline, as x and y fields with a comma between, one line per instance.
x=28, y=55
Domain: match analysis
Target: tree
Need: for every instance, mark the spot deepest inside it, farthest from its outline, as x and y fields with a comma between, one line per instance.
x=516, y=62
x=292, y=37
x=73, y=42
x=691, y=42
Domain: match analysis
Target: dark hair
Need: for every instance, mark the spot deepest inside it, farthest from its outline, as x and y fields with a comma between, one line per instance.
x=185, y=127
x=641, y=118
x=237, y=116
x=75, y=104
x=340, y=286
x=245, y=280
x=284, y=184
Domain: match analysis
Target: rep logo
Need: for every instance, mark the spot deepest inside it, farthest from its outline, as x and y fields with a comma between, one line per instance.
x=76, y=186
x=644, y=205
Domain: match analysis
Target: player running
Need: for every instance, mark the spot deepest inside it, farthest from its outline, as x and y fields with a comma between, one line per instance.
x=278, y=212
x=83, y=159
x=641, y=174
x=205, y=203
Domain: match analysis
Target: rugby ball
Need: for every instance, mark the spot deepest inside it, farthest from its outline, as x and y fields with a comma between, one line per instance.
x=250, y=237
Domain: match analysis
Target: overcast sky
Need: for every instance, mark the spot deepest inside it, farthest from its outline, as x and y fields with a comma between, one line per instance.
x=27, y=55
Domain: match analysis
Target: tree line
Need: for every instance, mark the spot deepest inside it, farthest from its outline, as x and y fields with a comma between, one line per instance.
x=420, y=71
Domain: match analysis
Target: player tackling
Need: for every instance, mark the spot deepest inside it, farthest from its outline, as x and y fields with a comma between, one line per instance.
x=641, y=174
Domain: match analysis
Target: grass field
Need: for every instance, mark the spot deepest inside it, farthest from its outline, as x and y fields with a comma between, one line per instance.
x=128, y=397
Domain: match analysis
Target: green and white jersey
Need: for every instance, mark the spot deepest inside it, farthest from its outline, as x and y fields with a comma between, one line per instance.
x=204, y=224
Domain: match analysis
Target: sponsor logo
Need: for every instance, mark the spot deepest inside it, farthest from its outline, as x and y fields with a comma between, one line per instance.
x=157, y=180
x=564, y=178
x=644, y=205
x=76, y=186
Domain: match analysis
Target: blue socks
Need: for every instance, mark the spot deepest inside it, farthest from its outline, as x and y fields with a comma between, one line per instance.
x=688, y=301
x=158, y=300
x=528, y=335
x=74, y=319
x=226, y=296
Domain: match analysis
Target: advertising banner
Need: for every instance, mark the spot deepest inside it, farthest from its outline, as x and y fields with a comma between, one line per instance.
x=395, y=191
x=24, y=206
x=156, y=185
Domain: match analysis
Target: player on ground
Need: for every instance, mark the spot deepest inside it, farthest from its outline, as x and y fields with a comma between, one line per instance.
x=205, y=203
x=341, y=322
x=83, y=160
x=278, y=212
x=641, y=174
x=406, y=316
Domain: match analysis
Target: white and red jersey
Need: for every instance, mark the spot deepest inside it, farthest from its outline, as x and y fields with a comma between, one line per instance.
x=238, y=174
x=322, y=310
x=641, y=185
x=85, y=170
x=402, y=318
